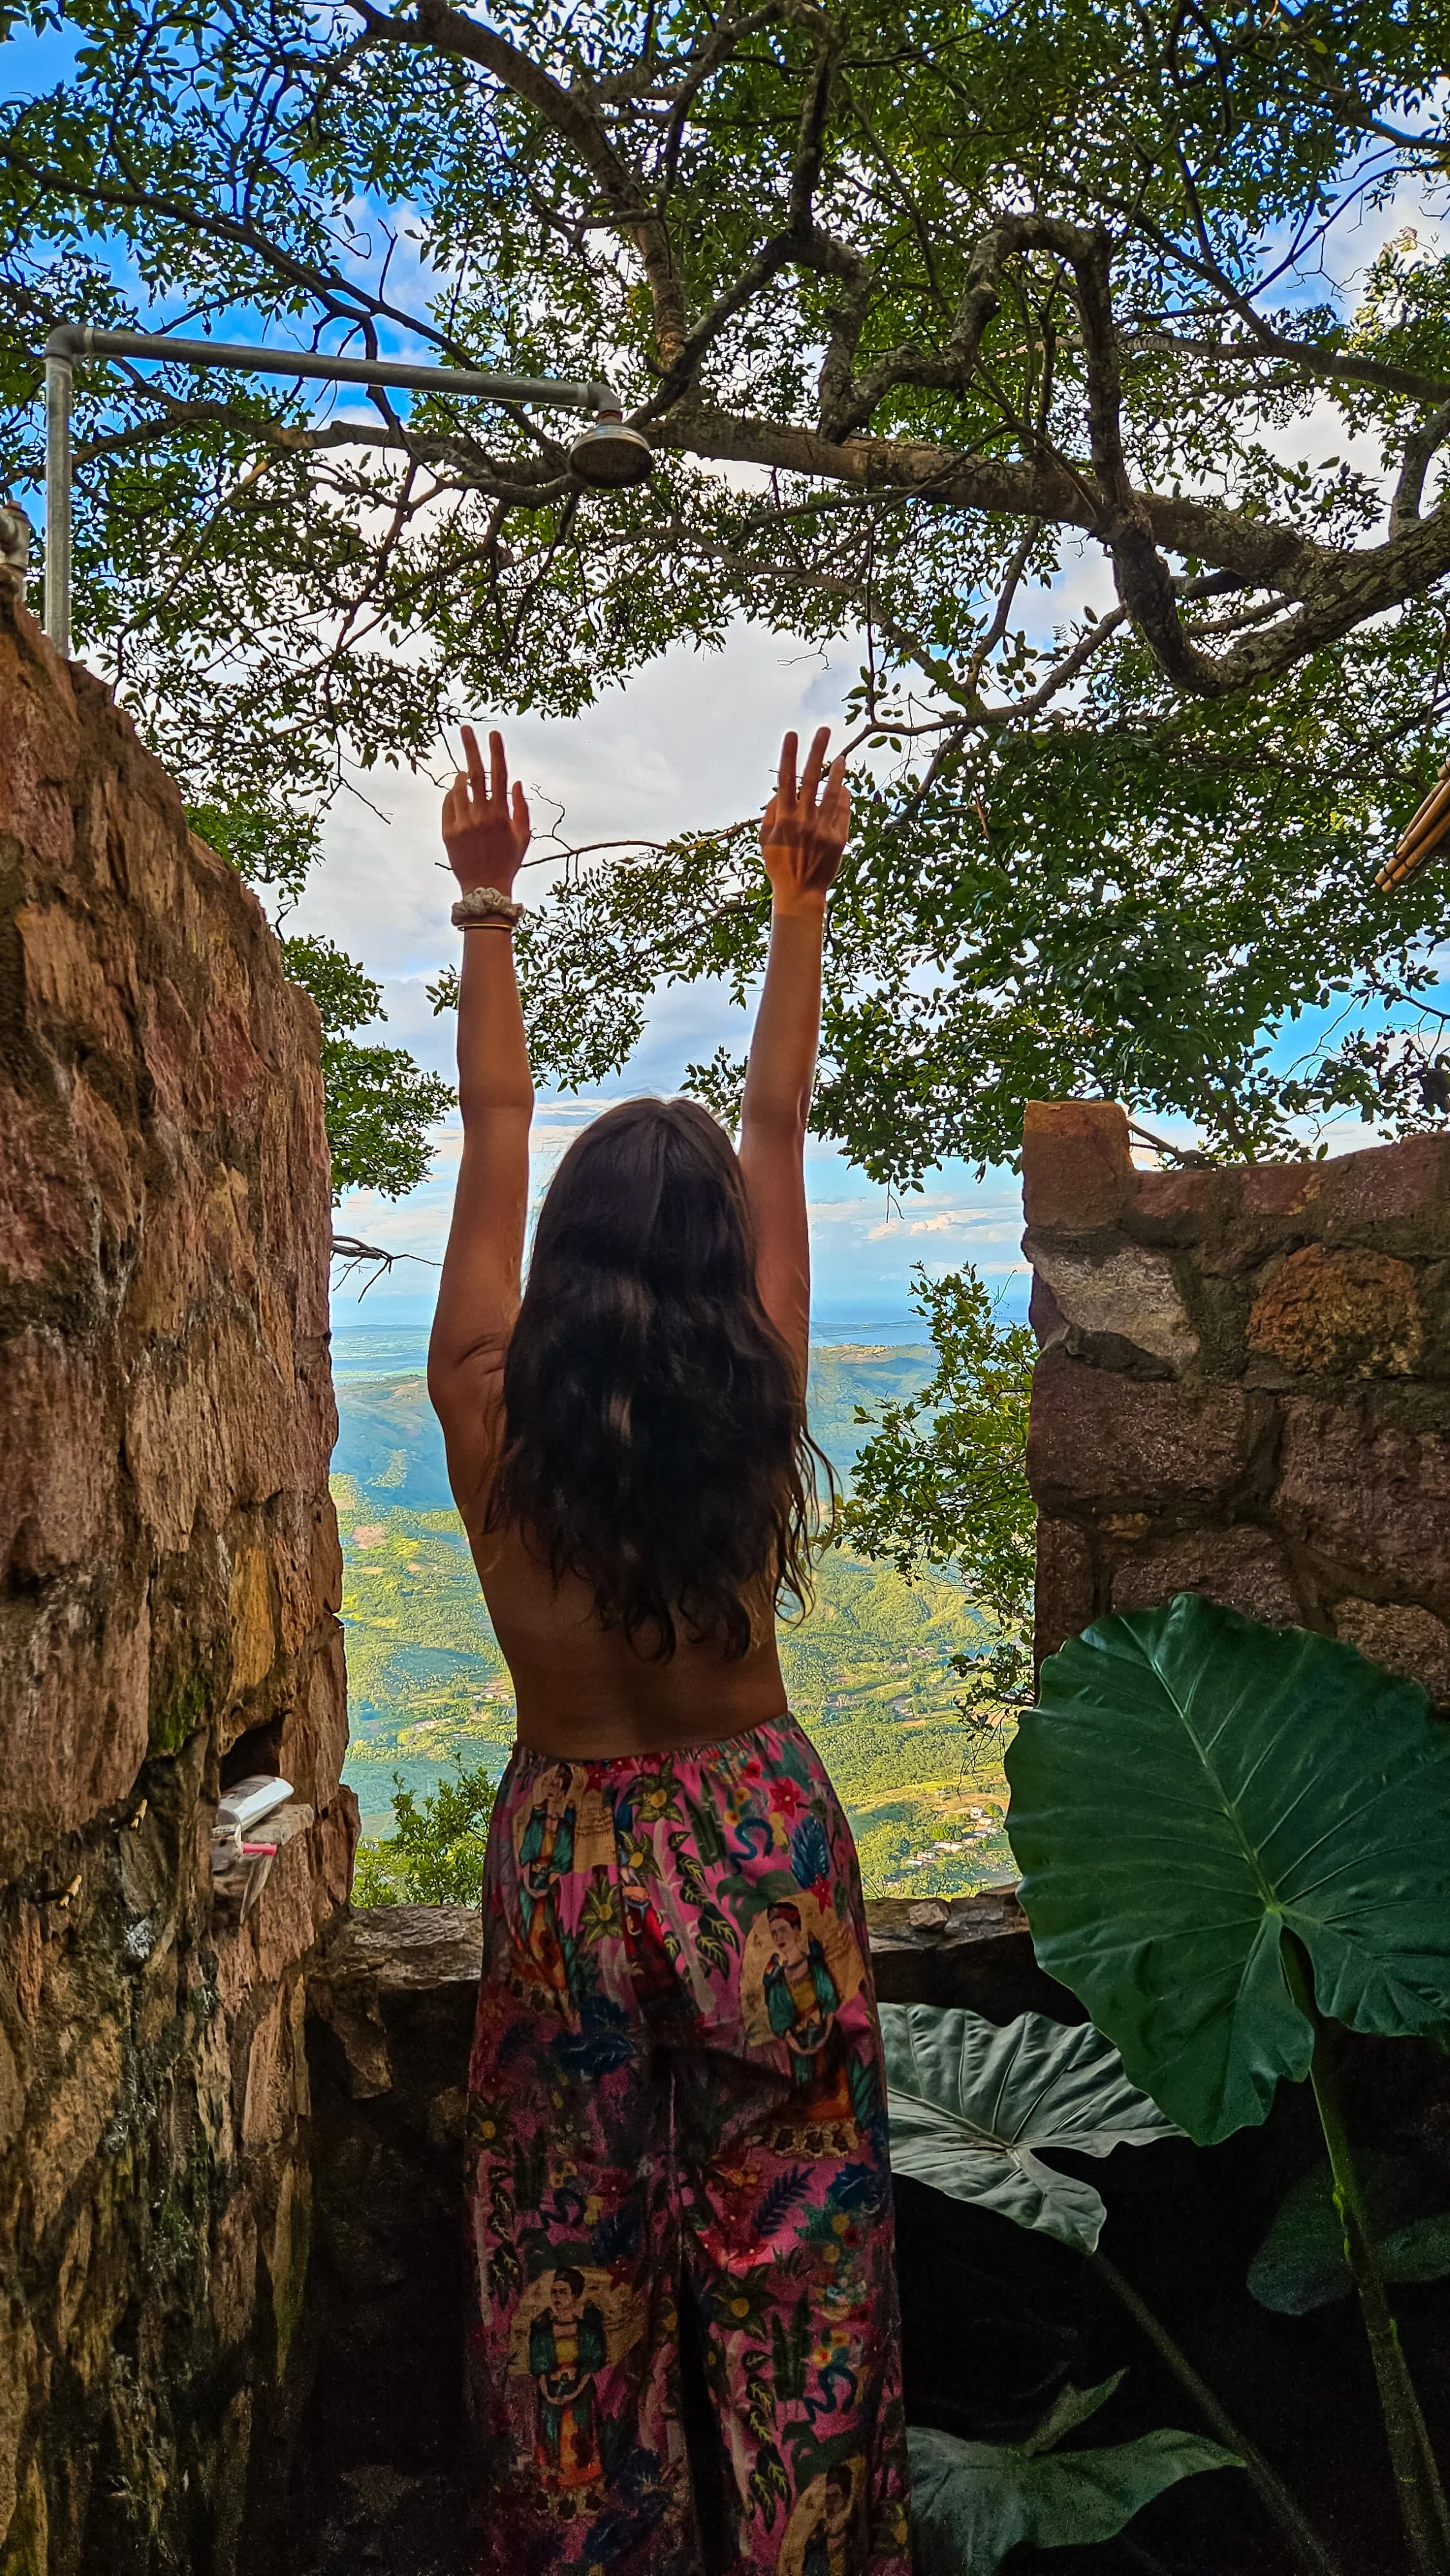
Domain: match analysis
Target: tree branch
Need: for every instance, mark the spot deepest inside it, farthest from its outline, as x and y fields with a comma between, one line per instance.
x=799, y=239
x=576, y=120
x=1331, y=366
x=1419, y=448
x=1338, y=588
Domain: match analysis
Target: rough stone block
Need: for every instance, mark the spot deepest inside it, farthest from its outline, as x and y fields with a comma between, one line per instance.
x=17, y=2360
x=42, y=750
x=249, y=1612
x=59, y=1439
x=266, y=2107
x=1242, y=1567
x=1162, y=1198
x=1279, y=1189
x=1064, y=1601
x=69, y=978
x=1390, y=1183
x=74, y=1705
x=1044, y=1314
x=1368, y=1496
x=234, y=2269
x=45, y=1216
x=1103, y=1443
x=306, y=1560
x=334, y=1842
x=1341, y=1314
x=67, y=2120
x=164, y=1519
x=1076, y=1168
x=12, y=2095
x=1401, y=1637
x=279, y=1927
x=1118, y=1288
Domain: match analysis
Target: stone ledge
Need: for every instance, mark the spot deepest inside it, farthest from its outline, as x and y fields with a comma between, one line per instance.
x=389, y=1968
x=407, y=1948
x=943, y=1922
x=973, y=1952
x=383, y=1975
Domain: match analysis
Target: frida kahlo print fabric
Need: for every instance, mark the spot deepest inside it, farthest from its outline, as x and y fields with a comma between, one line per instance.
x=676, y=2093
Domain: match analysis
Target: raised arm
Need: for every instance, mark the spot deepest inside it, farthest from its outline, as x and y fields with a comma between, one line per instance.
x=801, y=839
x=485, y=834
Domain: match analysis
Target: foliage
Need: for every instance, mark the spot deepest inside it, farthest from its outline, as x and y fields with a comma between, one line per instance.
x=1301, y=2263
x=943, y=1480
x=1193, y=1788
x=921, y=309
x=972, y=2502
x=379, y=1104
x=1274, y=1857
x=971, y=2104
x=269, y=845
x=435, y=1856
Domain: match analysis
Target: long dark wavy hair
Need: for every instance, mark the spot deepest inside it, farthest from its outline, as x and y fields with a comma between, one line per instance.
x=655, y=1439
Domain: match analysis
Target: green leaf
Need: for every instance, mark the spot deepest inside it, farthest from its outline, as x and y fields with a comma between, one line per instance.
x=1191, y=1787
x=972, y=2502
x=1071, y=2407
x=943, y=1480
x=1301, y=2264
x=971, y=2104
x=435, y=1856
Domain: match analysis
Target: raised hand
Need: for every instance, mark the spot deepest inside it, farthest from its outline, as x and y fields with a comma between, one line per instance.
x=485, y=832
x=805, y=827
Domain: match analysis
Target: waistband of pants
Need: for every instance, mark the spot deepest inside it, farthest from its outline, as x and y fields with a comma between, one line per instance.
x=726, y=1755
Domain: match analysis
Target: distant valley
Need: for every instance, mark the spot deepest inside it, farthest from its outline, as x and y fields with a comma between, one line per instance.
x=868, y=1670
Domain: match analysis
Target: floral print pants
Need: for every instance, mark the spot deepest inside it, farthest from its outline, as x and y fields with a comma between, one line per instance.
x=676, y=2095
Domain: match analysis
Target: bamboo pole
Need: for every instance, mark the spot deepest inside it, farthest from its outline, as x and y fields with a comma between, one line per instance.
x=1423, y=833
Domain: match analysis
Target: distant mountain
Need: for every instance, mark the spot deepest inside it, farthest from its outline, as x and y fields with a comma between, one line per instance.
x=390, y=1444
x=388, y=1440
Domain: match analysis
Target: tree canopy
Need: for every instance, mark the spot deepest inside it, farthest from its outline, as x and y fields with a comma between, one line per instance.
x=923, y=306
x=379, y=1105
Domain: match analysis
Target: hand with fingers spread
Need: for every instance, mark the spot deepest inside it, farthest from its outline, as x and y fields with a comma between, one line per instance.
x=485, y=832
x=805, y=827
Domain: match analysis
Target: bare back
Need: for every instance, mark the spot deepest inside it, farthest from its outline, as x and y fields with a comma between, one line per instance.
x=585, y=1693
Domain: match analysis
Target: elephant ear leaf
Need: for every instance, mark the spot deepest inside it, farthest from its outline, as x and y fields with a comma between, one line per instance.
x=972, y=2502
x=971, y=2106
x=1191, y=1787
x=1071, y=2407
x=1301, y=2262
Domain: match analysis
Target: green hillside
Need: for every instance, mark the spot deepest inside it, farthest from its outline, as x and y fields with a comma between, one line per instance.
x=389, y=1440
x=868, y=1670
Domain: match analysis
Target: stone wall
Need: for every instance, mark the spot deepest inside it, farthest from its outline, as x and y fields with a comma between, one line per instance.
x=167, y=1620
x=1243, y=1388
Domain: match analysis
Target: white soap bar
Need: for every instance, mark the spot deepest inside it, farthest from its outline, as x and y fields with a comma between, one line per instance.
x=248, y=1801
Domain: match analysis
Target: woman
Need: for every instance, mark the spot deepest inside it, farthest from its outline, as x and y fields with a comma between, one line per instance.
x=677, y=2142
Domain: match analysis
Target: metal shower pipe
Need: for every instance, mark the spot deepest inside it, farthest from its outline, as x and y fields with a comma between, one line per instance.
x=78, y=340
